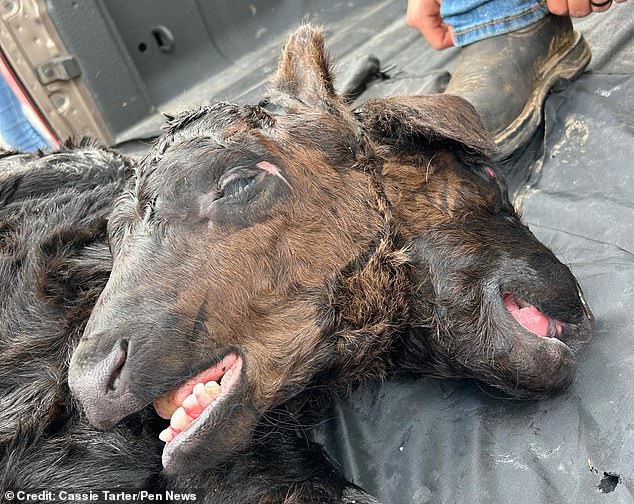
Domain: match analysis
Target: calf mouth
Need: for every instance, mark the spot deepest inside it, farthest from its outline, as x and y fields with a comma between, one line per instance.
x=532, y=320
x=538, y=348
x=200, y=407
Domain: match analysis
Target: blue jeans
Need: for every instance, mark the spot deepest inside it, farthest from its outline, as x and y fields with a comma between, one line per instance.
x=474, y=20
x=15, y=128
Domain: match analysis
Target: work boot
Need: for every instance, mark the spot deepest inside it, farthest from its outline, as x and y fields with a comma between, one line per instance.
x=506, y=78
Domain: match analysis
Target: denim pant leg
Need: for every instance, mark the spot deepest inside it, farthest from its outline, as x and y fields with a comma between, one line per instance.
x=474, y=20
x=15, y=128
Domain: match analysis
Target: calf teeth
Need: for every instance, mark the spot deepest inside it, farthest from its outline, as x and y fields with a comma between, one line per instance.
x=167, y=435
x=180, y=419
x=207, y=393
x=212, y=388
x=193, y=405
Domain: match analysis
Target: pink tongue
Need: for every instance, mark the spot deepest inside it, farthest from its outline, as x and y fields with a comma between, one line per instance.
x=530, y=317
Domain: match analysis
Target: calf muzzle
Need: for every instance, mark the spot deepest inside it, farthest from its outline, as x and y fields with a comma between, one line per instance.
x=98, y=385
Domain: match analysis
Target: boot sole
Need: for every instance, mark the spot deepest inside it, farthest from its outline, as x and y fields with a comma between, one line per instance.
x=564, y=65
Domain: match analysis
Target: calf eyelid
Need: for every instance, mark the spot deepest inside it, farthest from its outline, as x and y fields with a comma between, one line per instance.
x=237, y=172
x=493, y=177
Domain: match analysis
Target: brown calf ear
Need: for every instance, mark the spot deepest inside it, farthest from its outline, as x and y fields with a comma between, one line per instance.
x=403, y=122
x=303, y=71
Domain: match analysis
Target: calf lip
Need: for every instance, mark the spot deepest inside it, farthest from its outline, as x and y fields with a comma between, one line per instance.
x=577, y=336
x=193, y=449
x=539, y=366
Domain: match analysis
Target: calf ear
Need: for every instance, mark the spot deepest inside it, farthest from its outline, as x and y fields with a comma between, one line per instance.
x=407, y=123
x=303, y=71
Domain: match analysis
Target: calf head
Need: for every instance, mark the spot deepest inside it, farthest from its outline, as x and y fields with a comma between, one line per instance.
x=222, y=249
x=270, y=248
x=494, y=303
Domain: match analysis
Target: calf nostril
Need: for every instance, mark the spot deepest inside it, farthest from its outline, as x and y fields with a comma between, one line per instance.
x=118, y=366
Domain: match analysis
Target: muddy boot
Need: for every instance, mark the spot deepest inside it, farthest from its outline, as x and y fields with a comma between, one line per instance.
x=507, y=77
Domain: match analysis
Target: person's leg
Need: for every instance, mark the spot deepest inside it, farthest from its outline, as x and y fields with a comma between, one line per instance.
x=512, y=54
x=474, y=20
x=15, y=129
